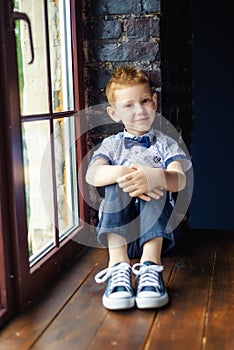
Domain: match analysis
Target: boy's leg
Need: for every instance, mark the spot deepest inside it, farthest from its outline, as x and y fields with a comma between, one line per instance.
x=117, y=216
x=152, y=251
x=117, y=248
x=113, y=231
x=119, y=293
x=151, y=291
x=154, y=216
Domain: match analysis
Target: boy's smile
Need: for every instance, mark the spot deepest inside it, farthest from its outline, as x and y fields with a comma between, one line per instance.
x=135, y=106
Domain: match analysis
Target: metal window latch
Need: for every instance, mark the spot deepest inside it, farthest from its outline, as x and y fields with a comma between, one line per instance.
x=24, y=17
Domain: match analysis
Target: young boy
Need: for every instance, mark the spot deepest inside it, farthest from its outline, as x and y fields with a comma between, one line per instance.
x=138, y=168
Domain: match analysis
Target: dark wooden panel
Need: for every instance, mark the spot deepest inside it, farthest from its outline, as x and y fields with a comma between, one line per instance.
x=86, y=322
x=199, y=275
x=123, y=330
x=24, y=330
x=181, y=325
x=219, y=333
x=78, y=322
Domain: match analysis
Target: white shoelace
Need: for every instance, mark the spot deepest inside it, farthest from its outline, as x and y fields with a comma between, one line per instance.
x=120, y=276
x=147, y=274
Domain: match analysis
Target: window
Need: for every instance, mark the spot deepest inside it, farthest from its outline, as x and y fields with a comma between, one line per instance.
x=42, y=92
x=46, y=91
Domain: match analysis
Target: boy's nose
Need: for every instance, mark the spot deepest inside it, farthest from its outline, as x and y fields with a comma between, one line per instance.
x=139, y=109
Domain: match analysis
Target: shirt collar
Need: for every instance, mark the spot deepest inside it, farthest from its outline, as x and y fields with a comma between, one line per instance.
x=149, y=133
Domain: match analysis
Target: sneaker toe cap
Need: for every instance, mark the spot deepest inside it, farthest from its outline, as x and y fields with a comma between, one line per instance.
x=120, y=295
x=148, y=294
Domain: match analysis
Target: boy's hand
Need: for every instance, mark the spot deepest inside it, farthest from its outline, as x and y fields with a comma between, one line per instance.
x=144, y=182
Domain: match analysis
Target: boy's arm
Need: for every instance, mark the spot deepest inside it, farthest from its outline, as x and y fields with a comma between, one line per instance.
x=100, y=173
x=175, y=176
x=151, y=181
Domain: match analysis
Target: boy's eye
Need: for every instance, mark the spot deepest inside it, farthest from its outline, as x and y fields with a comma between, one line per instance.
x=128, y=105
x=146, y=100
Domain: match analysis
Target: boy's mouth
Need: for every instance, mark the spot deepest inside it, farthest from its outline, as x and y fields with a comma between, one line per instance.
x=143, y=119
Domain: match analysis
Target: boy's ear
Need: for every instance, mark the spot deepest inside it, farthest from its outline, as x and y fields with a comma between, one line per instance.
x=113, y=114
x=155, y=100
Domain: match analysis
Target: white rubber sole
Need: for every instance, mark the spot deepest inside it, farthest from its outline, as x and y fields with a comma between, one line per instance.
x=152, y=302
x=118, y=304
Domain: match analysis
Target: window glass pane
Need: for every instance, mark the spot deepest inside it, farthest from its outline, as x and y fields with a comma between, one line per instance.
x=38, y=186
x=66, y=175
x=42, y=214
x=61, y=55
x=32, y=77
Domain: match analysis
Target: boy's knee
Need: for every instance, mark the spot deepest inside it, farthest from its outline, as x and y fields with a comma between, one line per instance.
x=115, y=196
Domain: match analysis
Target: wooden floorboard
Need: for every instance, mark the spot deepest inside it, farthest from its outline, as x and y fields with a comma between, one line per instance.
x=200, y=280
x=183, y=322
x=219, y=331
x=24, y=331
x=78, y=321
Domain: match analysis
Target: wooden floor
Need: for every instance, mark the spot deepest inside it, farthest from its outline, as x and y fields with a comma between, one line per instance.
x=200, y=280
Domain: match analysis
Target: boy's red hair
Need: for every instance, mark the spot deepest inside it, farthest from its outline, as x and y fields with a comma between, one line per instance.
x=124, y=77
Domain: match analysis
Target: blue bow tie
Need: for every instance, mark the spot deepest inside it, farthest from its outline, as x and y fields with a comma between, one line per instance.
x=140, y=140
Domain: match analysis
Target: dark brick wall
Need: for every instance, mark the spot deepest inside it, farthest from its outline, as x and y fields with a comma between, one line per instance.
x=119, y=32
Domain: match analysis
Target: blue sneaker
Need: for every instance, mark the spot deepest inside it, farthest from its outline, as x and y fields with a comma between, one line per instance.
x=151, y=292
x=119, y=293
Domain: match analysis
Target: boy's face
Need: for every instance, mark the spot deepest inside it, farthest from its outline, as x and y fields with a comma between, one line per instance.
x=135, y=106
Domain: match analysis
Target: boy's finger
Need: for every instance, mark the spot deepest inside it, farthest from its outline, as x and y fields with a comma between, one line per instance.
x=144, y=197
x=154, y=195
x=124, y=178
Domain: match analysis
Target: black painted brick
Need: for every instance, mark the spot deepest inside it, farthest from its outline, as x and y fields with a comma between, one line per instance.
x=128, y=52
x=115, y=7
x=142, y=28
x=107, y=30
x=151, y=5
